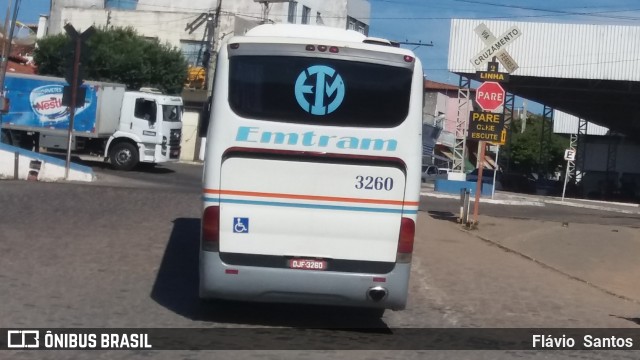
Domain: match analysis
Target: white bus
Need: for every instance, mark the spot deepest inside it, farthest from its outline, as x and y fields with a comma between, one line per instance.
x=312, y=169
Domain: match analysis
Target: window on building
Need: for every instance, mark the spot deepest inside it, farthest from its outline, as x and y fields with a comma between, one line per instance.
x=357, y=25
x=121, y=4
x=293, y=9
x=306, y=13
x=319, y=19
x=193, y=51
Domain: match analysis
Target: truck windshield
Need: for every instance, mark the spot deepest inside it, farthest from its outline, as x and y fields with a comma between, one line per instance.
x=172, y=113
x=319, y=91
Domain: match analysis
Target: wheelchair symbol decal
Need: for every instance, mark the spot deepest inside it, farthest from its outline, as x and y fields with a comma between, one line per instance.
x=240, y=225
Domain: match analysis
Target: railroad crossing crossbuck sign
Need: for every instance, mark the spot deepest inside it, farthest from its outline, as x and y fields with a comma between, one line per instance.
x=490, y=96
x=495, y=47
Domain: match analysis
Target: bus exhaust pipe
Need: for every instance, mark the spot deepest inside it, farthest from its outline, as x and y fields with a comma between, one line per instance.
x=377, y=293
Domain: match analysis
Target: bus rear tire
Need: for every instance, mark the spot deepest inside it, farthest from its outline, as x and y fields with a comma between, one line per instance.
x=124, y=156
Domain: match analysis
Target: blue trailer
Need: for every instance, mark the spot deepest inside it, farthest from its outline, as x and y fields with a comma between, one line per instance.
x=126, y=127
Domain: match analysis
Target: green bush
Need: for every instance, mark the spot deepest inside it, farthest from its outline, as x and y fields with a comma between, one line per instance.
x=117, y=55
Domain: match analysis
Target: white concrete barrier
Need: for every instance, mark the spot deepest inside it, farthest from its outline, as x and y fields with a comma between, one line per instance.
x=35, y=166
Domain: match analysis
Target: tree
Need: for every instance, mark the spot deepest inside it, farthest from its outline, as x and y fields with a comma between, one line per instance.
x=117, y=55
x=524, y=151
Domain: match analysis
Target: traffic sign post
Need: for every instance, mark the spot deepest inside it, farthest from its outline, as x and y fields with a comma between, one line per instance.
x=569, y=156
x=496, y=47
x=74, y=79
x=490, y=96
x=484, y=126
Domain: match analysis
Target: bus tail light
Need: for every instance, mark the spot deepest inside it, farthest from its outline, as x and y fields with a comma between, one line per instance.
x=211, y=229
x=405, y=240
x=322, y=48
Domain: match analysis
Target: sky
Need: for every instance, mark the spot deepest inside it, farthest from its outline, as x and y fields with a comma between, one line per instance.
x=28, y=11
x=427, y=21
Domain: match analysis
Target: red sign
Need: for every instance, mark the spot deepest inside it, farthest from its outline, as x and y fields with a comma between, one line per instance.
x=490, y=96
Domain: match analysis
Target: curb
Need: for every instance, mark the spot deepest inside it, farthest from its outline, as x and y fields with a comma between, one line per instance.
x=593, y=207
x=542, y=202
x=487, y=201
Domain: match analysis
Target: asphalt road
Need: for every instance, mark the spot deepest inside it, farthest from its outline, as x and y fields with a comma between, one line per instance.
x=123, y=252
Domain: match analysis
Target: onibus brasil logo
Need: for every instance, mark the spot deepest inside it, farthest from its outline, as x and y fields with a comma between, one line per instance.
x=319, y=90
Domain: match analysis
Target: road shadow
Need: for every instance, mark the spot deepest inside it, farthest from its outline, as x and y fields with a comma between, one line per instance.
x=633, y=320
x=176, y=288
x=443, y=215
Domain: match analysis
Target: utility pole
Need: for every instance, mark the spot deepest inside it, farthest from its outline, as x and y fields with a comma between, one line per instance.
x=211, y=32
x=7, y=52
x=523, y=116
x=211, y=69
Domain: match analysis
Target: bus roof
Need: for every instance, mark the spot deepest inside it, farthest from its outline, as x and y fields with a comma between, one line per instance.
x=306, y=32
x=298, y=33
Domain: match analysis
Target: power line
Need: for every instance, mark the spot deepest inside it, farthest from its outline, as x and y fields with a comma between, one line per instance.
x=594, y=14
x=599, y=14
x=562, y=12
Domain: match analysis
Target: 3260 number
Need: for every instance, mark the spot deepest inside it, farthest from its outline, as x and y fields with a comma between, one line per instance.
x=374, y=183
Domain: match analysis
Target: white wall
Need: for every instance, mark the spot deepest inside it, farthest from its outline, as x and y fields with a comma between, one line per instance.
x=167, y=19
x=189, y=135
x=165, y=26
x=51, y=169
x=564, y=123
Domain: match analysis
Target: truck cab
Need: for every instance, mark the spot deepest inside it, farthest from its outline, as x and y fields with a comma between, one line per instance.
x=149, y=131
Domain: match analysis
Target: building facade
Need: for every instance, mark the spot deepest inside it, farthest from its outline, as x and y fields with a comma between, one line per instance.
x=441, y=112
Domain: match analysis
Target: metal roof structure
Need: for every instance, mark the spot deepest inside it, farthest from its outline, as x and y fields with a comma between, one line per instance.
x=564, y=123
x=589, y=71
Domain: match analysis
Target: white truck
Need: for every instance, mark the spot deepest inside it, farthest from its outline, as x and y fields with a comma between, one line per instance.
x=124, y=127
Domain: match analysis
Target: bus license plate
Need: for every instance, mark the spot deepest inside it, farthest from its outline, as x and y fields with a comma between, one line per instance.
x=307, y=264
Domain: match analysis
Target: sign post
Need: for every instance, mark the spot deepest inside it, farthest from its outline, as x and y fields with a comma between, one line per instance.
x=569, y=156
x=486, y=126
x=490, y=96
x=495, y=172
x=75, y=80
x=496, y=47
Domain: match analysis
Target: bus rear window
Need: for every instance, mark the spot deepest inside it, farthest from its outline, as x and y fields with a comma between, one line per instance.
x=319, y=91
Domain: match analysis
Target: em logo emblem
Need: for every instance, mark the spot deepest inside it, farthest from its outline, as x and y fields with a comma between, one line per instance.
x=319, y=90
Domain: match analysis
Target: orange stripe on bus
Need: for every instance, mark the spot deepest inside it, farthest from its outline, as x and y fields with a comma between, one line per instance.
x=310, y=197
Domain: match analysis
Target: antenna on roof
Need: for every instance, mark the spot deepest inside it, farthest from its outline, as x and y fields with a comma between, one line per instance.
x=416, y=44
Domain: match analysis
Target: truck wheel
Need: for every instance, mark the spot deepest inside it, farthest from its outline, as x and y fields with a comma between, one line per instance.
x=124, y=156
